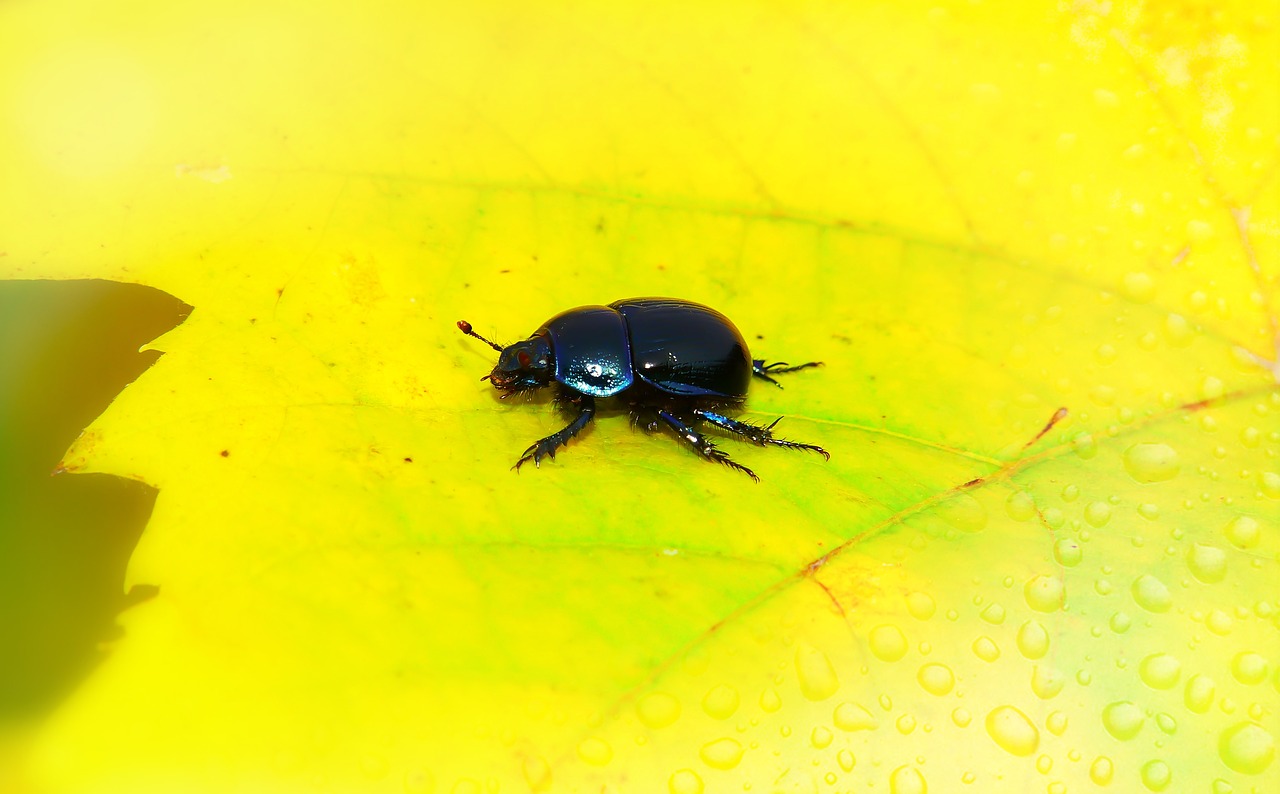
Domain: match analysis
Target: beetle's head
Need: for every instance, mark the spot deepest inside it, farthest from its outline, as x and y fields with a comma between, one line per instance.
x=523, y=366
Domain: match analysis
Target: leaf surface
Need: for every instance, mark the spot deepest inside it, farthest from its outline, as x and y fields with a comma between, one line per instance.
x=975, y=216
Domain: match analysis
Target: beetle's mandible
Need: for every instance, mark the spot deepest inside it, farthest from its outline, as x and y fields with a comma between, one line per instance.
x=673, y=361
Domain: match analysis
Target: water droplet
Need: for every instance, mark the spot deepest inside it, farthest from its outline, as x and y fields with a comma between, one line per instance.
x=1221, y=786
x=1045, y=593
x=1067, y=552
x=821, y=737
x=1084, y=446
x=1013, y=731
x=419, y=781
x=1047, y=682
x=1020, y=506
x=846, y=760
x=537, y=773
x=658, y=710
x=1156, y=775
x=993, y=614
x=1249, y=668
x=1177, y=330
x=921, y=605
x=770, y=700
x=1160, y=671
x=685, y=781
x=986, y=649
x=1139, y=286
x=1151, y=462
x=1243, y=532
x=854, y=717
x=1097, y=513
x=1167, y=723
x=1250, y=437
x=907, y=780
x=888, y=643
x=1056, y=722
x=1218, y=622
x=1149, y=511
x=721, y=702
x=1123, y=719
x=1120, y=622
x=964, y=513
x=1101, y=770
x=1211, y=388
x=1269, y=482
x=818, y=679
x=1207, y=563
x=1044, y=764
x=1151, y=594
x=1033, y=639
x=722, y=753
x=595, y=751
x=1247, y=747
x=905, y=724
x=1198, y=695
x=937, y=679
x=961, y=717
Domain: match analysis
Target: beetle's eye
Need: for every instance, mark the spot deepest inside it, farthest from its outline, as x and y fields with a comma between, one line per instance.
x=523, y=358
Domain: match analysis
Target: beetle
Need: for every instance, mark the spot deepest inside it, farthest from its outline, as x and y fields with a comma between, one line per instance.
x=675, y=362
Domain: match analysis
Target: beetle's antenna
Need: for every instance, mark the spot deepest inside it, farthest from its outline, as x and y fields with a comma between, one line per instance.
x=465, y=327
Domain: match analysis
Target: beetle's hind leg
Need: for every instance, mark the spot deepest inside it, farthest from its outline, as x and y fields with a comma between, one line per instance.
x=701, y=444
x=546, y=447
x=760, y=434
x=767, y=371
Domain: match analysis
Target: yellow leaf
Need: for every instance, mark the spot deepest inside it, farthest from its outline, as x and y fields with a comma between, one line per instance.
x=1036, y=247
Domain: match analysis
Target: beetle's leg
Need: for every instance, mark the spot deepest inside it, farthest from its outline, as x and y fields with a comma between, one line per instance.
x=765, y=371
x=760, y=434
x=645, y=416
x=701, y=444
x=546, y=447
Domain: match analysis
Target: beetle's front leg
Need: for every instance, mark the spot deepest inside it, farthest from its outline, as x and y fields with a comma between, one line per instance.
x=546, y=447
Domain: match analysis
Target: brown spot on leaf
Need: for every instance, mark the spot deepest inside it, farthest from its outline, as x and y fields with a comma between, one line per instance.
x=1057, y=417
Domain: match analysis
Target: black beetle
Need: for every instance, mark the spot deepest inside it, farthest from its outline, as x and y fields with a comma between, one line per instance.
x=674, y=361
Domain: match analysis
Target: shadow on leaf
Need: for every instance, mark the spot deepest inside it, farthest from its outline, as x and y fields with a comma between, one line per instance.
x=66, y=350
